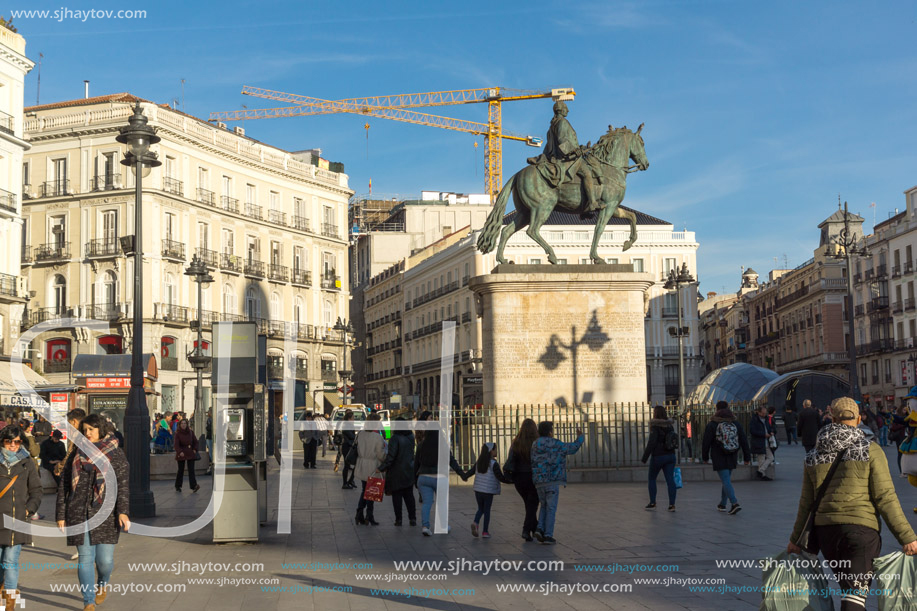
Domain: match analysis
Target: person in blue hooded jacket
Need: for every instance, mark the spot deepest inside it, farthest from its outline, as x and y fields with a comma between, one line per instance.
x=549, y=472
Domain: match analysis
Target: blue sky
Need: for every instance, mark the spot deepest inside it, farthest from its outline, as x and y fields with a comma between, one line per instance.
x=757, y=114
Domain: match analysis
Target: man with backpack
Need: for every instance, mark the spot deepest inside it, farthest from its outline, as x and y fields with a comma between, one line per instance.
x=761, y=446
x=722, y=439
x=661, y=446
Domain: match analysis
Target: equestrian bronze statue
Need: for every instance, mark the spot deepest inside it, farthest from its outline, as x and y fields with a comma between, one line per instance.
x=584, y=179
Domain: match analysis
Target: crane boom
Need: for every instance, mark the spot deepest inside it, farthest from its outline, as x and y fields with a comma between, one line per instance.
x=395, y=114
x=414, y=100
x=396, y=107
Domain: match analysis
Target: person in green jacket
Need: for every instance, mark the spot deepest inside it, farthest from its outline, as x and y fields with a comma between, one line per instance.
x=847, y=522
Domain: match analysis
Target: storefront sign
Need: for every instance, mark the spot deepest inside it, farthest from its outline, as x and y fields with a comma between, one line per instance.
x=108, y=382
x=19, y=401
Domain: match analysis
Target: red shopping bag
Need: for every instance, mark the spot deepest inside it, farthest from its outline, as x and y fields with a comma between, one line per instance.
x=375, y=489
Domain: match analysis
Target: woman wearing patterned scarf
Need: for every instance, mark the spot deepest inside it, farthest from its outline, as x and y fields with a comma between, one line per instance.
x=21, y=495
x=79, y=497
x=847, y=524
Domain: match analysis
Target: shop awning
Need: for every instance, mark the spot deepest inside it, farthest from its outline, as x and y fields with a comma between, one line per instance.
x=111, y=366
x=9, y=396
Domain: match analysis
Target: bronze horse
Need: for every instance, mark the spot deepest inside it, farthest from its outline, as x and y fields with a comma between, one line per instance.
x=535, y=198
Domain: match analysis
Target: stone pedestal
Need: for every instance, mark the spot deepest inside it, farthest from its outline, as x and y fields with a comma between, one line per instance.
x=563, y=334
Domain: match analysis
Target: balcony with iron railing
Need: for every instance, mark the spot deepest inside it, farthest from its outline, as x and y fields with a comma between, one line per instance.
x=877, y=303
x=331, y=282
x=173, y=186
x=896, y=271
x=168, y=312
x=40, y=315
x=55, y=251
x=277, y=217
x=253, y=211
x=881, y=271
x=278, y=273
x=172, y=249
x=669, y=312
x=329, y=230
x=231, y=263
x=300, y=222
x=466, y=317
x=9, y=285
x=8, y=201
x=206, y=196
x=302, y=277
x=206, y=318
x=55, y=188
x=229, y=204
x=898, y=307
x=909, y=304
x=859, y=310
x=106, y=182
x=106, y=311
x=169, y=363
x=7, y=124
x=26, y=255
x=908, y=267
x=103, y=247
x=254, y=268
x=211, y=258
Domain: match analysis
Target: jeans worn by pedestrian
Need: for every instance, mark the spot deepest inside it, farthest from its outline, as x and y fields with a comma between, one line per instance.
x=883, y=436
x=791, y=435
x=427, y=486
x=666, y=464
x=10, y=564
x=548, y=497
x=728, y=492
x=485, y=502
x=99, y=557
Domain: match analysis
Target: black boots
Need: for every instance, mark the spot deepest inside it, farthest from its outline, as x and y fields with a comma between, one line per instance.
x=359, y=518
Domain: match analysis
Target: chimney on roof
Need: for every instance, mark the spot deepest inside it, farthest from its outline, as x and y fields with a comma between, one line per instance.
x=86, y=89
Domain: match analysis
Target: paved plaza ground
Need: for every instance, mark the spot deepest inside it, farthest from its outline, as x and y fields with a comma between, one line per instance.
x=598, y=524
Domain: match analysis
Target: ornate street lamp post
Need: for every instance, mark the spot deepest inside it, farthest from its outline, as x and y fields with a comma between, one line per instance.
x=675, y=282
x=138, y=136
x=345, y=328
x=197, y=358
x=848, y=246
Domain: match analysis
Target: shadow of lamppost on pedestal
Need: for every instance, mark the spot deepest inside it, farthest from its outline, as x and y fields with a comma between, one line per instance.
x=593, y=338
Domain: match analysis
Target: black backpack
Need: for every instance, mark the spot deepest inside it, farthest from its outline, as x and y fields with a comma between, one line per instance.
x=671, y=440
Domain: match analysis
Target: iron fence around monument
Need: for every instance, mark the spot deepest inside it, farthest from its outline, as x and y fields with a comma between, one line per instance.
x=616, y=434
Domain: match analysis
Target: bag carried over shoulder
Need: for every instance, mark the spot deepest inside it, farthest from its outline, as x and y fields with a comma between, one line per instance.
x=671, y=440
x=794, y=582
x=896, y=579
x=727, y=434
x=375, y=489
x=351, y=459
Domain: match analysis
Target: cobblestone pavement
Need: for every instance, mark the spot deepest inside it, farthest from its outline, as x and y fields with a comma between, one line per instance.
x=598, y=524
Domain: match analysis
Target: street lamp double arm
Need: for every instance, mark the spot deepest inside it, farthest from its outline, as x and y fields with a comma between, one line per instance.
x=345, y=329
x=199, y=274
x=848, y=246
x=138, y=136
x=674, y=282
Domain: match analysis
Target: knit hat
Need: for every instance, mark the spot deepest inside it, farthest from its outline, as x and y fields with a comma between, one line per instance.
x=844, y=408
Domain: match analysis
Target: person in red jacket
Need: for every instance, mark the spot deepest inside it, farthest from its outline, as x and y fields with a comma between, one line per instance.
x=185, y=450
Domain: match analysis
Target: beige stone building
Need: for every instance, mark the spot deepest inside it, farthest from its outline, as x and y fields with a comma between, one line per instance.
x=13, y=67
x=269, y=224
x=798, y=320
x=406, y=352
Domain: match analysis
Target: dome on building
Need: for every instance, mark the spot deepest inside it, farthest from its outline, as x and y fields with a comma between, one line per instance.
x=736, y=382
x=791, y=389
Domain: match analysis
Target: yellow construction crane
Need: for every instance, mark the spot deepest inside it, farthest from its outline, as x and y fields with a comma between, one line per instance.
x=396, y=107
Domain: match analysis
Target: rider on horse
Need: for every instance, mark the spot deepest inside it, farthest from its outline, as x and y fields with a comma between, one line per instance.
x=563, y=158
